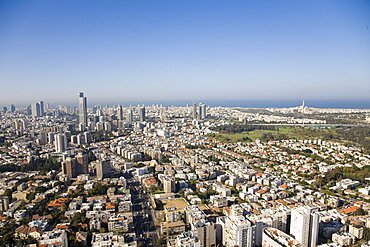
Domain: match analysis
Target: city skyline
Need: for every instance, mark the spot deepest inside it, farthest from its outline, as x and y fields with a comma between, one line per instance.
x=184, y=51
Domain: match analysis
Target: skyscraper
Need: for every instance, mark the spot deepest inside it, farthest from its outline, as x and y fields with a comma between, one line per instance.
x=129, y=116
x=194, y=111
x=12, y=108
x=305, y=226
x=202, y=111
x=82, y=103
x=38, y=109
x=36, y=112
x=142, y=114
x=119, y=113
x=42, y=109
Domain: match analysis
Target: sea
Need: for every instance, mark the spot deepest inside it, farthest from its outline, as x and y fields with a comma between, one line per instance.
x=342, y=104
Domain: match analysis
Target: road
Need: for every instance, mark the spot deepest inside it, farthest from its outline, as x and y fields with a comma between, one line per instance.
x=143, y=214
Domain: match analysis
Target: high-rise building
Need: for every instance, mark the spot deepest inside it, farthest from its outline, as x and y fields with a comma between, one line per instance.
x=194, y=111
x=42, y=109
x=12, y=108
x=130, y=116
x=103, y=168
x=202, y=111
x=36, y=111
x=60, y=142
x=119, y=113
x=304, y=225
x=82, y=104
x=142, y=114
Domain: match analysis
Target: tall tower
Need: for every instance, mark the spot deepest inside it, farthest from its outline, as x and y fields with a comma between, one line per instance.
x=202, y=111
x=130, y=116
x=36, y=110
x=119, y=113
x=194, y=111
x=82, y=103
x=142, y=114
x=42, y=109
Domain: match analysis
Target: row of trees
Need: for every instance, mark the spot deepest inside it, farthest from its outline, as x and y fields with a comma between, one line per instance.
x=240, y=128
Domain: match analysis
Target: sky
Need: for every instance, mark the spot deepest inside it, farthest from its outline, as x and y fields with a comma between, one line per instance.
x=121, y=50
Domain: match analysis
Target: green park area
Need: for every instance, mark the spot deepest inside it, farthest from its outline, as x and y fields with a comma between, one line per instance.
x=247, y=133
x=274, y=133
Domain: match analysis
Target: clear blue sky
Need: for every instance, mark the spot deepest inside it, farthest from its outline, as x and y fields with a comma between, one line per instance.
x=153, y=50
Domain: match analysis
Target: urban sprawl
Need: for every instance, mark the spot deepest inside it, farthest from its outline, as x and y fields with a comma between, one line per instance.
x=184, y=176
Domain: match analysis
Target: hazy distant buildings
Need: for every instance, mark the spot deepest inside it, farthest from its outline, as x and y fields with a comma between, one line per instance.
x=194, y=111
x=82, y=104
x=142, y=114
x=42, y=109
x=12, y=108
x=130, y=116
x=119, y=113
x=37, y=109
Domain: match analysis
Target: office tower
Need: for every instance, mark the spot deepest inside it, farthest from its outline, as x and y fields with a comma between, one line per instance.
x=273, y=237
x=36, y=111
x=60, y=142
x=119, y=113
x=169, y=184
x=206, y=232
x=194, y=111
x=5, y=109
x=305, y=225
x=103, y=169
x=82, y=104
x=42, y=109
x=202, y=111
x=142, y=114
x=12, y=108
x=129, y=116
